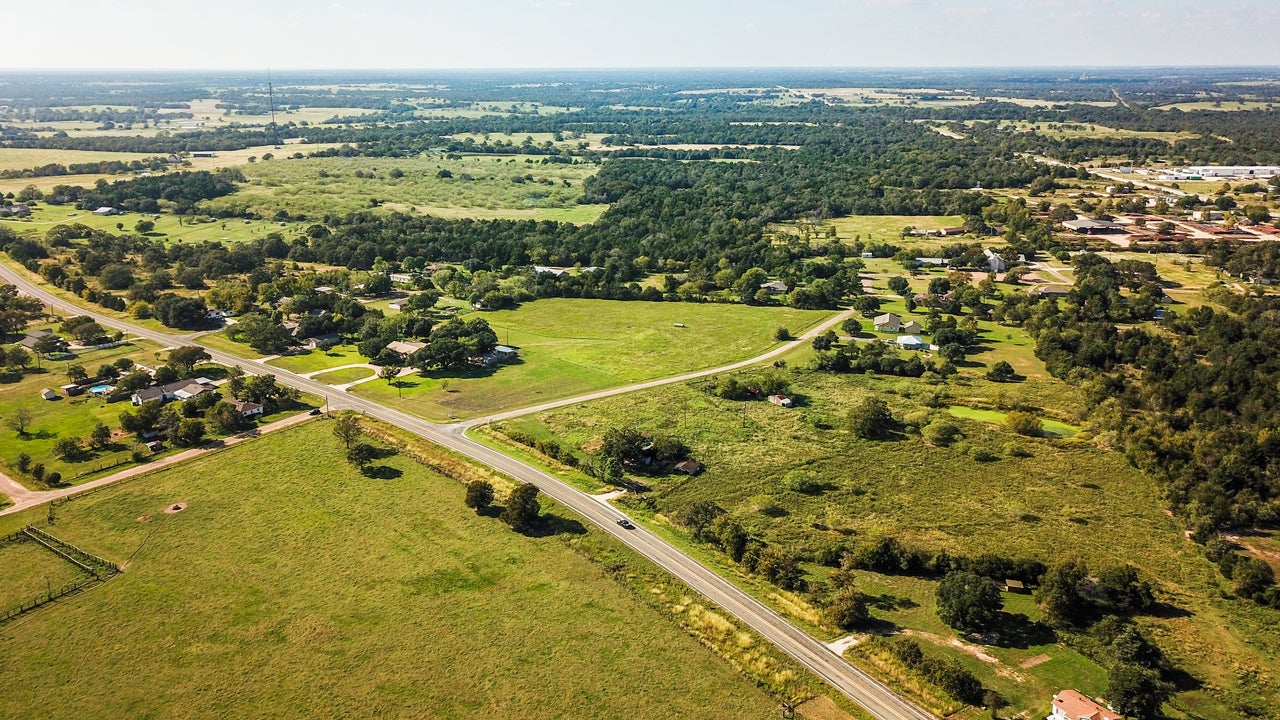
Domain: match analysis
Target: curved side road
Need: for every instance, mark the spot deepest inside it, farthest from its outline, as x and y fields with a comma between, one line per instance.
x=876, y=697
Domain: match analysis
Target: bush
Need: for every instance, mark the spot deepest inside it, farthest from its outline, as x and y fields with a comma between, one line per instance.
x=1024, y=423
x=1014, y=450
x=848, y=609
x=871, y=419
x=782, y=334
x=941, y=433
x=981, y=454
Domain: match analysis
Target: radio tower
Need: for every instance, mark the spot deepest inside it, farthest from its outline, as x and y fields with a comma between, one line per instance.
x=271, y=99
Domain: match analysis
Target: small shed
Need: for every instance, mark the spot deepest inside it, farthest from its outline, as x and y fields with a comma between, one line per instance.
x=1014, y=586
x=48, y=394
x=689, y=467
x=71, y=390
x=782, y=401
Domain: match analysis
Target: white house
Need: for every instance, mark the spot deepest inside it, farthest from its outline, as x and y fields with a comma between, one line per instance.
x=1072, y=705
x=105, y=211
x=405, y=347
x=995, y=263
x=911, y=342
x=887, y=322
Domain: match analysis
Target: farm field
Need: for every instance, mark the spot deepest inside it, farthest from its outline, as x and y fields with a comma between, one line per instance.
x=1090, y=130
x=569, y=347
x=880, y=228
x=281, y=592
x=168, y=227
x=1065, y=499
x=1224, y=105
x=479, y=186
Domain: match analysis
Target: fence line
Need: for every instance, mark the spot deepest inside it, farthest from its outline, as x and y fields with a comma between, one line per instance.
x=98, y=569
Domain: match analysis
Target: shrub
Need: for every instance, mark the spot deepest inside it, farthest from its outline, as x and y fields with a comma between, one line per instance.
x=981, y=454
x=1024, y=423
x=940, y=432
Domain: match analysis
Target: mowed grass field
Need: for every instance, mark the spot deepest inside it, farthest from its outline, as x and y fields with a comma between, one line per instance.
x=511, y=186
x=293, y=586
x=570, y=347
x=1068, y=499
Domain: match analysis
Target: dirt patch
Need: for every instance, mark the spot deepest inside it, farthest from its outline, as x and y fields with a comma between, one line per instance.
x=1032, y=662
x=143, y=518
x=822, y=708
x=175, y=508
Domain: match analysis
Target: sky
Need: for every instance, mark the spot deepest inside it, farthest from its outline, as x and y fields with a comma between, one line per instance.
x=430, y=34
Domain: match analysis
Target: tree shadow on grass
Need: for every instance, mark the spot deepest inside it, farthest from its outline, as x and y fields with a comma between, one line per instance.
x=888, y=602
x=1167, y=611
x=1019, y=631
x=552, y=525
x=382, y=472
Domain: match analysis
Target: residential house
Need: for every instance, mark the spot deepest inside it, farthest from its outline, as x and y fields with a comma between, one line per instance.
x=173, y=160
x=782, y=401
x=106, y=211
x=325, y=340
x=911, y=342
x=1089, y=226
x=34, y=337
x=14, y=210
x=911, y=327
x=1073, y=705
x=1015, y=586
x=405, y=348
x=1050, y=291
x=247, y=409
x=397, y=306
x=504, y=352
x=1206, y=215
x=178, y=390
x=776, y=287
x=935, y=261
x=154, y=446
x=544, y=270
x=887, y=322
x=401, y=278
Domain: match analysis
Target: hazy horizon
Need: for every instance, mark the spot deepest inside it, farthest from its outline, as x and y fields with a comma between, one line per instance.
x=611, y=34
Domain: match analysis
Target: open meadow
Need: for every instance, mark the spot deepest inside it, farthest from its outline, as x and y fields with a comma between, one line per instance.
x=991, y=492
x=292, y=585
x=480, y=186
x=570, y=347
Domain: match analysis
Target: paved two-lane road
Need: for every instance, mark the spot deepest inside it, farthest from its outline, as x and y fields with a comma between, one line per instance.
x=868, y=692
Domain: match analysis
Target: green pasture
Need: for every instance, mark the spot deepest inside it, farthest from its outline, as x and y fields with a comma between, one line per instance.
x=569, y=347
x=480, y=186
x=1063, y=499
x=344, y=595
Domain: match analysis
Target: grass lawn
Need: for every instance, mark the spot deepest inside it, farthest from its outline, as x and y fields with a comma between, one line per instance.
x=313, y=361
x=345, y=375
x=344, y=596
x=569, y=347
x=1068, y=499
x=477, y=186
x=219, y=341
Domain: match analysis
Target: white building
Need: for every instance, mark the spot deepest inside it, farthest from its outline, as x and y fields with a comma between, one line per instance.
x=1234, y=171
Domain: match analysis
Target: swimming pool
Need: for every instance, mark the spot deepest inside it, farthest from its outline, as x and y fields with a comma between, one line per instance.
x=100, y=389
